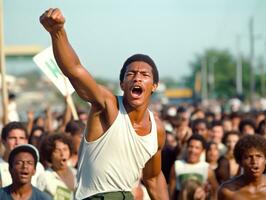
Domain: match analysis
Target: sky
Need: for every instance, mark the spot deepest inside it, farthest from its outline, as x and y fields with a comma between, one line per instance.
x=104, y=33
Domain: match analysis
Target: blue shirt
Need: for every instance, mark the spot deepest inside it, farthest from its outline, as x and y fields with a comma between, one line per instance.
x=5, y=194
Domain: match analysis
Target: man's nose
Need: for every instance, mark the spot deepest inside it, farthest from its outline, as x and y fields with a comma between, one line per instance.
x=137, y=76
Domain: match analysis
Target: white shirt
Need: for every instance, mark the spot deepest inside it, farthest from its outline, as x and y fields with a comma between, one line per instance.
x=114, y=161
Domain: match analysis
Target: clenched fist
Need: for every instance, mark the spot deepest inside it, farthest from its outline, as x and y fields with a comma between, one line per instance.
x=52, y=20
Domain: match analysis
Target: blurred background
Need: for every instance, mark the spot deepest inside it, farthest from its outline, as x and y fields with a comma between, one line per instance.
x=206, y=51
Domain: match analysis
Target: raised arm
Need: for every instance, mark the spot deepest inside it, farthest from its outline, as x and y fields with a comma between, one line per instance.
x=66, y=58
x=153, y=177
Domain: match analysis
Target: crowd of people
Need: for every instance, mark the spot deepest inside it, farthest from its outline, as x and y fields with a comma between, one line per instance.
x=198, y=157
x=125, y=148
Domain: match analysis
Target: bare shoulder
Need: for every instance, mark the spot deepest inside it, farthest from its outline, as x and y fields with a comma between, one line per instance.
x=160, y=130
x=227, y=190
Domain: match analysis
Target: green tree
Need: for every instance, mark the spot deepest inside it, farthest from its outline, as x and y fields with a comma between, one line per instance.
x=222, y=64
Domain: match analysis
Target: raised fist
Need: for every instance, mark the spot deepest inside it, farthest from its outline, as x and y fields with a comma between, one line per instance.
x=52, y=20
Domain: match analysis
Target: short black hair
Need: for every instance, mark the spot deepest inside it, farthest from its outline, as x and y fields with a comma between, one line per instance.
x=23, y=148
x=10, y=126
x=216, y=123
x=74, y=127
x=197, y=137
x=228, y=133
x=247, y=142
x=140, y=57
x=247, y=121
x=198, y=121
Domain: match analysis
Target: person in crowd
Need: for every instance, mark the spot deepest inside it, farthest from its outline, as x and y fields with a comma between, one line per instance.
x=227, y=165
x=260, y=116
x=169, y=154
x=74, y=129
x=261, y=130
x=14, y=134
x=192, y=190
x=200, y=126
x=192, y=168
x=212, y=154
x=247, y=126
x=216, y=135
x=22, y=166
x=36, y=135
x=235, y=119
x=12, y=108
x=59, y=179
x=227, y=124
x=250, y=154
x=122, y=133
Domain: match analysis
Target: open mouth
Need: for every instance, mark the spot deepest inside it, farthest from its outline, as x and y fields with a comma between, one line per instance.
x=254, y=169
x=63, y=161
x=137, y=91
x=24, y=174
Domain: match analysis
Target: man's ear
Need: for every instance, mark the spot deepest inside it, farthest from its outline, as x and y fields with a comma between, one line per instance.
x=154, y=87
x=122, y=85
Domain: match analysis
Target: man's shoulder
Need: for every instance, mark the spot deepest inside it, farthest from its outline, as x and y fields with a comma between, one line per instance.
x=232, y=182
x=228, y=187
x=39, y=195
x=5, y=193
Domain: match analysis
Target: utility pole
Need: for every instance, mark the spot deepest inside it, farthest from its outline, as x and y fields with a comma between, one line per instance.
x=262, y=76
x=211, y=76
x=251, y=60
x=204, y=94
x=239, y=72
x=2, y=66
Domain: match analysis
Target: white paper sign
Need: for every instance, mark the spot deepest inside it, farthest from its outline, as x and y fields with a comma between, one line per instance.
x=46, y=62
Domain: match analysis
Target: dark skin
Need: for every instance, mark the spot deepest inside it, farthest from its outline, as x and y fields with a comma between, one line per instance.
x=23, y=164
x=250, y=185
x=104, y=104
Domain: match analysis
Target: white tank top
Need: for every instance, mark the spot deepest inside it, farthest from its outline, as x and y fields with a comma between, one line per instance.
x=185, y=171
x=114, y=161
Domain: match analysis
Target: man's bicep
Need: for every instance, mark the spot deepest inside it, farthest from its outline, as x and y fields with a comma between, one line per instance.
x=153, y=166
x=89, y=90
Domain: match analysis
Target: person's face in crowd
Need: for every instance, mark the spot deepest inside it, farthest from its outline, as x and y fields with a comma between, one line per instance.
x=60, y=155
x=35, y=138
x=138, y=83
x=263, y=130
x=253, y=162
x=217, y=133
x=235, y=123
x=170, y=140
x=40, y=122
x=212, y=154
x=201, y=129
x=23, y=168
x=227, y=126
x=248, y=130
x=185, y=119
x=14, y=138
x=194, y=151
x=199, y=114
x=231, y=142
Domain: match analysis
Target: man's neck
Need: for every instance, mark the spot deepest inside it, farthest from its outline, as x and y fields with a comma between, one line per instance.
x=254, y=181
x=21, y=191
x=136, y=114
